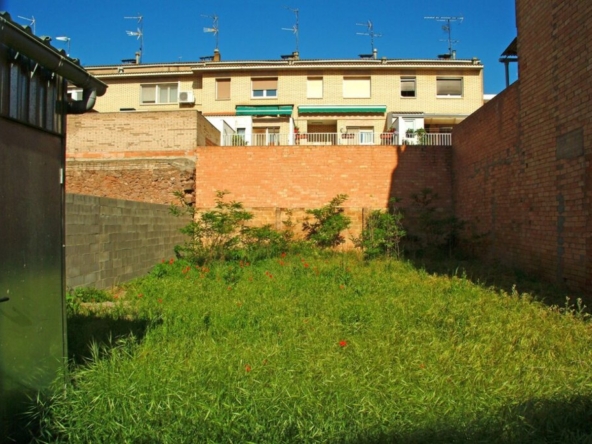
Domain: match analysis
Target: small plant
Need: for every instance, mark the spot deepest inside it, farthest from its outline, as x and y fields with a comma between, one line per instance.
x=75, y=297
x=329, y=221
x=433, y=229
x=382, y=233
x=421, y=136
x=214, y=234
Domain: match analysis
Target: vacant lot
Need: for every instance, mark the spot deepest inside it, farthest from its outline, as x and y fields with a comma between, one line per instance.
x=324, y=349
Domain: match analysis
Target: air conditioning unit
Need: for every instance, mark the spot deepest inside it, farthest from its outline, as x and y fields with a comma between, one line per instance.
x=75, y=94
x=186, y=97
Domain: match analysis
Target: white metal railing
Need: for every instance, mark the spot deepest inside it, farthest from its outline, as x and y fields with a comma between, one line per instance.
x=358, y=138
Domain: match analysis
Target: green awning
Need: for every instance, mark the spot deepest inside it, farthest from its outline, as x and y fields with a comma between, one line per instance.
x=342, y=109
x=264, y=110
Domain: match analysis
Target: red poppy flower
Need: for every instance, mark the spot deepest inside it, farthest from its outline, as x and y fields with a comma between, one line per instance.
x=247, y=368
x=343, y=343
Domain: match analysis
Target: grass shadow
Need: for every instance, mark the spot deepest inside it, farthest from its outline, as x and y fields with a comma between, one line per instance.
x=501, y=278
x=101, y=329
x=566, y=421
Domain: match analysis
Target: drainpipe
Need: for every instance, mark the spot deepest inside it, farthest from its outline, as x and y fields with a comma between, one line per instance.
x=40, y=51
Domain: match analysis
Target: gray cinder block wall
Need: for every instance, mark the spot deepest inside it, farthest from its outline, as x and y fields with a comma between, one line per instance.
x=111, y=241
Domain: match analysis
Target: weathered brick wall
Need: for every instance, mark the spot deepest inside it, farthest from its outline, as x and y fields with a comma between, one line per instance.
x=271, y=180
x=144, y=180
x=143, y=156
x=110, y=241
x=526, y=156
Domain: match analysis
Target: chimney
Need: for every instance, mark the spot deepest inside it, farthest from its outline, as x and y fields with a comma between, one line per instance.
x=296, y=55
x=375, y=53
x=453, y=54
x=216, y=57
x=138, y=58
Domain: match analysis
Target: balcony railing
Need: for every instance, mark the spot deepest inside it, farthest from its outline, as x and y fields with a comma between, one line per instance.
x=359, y=138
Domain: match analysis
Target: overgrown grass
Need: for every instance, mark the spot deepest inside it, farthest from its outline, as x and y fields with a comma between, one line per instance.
x=327, y=348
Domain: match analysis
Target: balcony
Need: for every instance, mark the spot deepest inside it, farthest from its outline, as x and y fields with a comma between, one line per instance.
x=358, y=138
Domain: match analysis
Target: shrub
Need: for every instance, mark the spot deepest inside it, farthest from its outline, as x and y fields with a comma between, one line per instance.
x=433, y=229
x=382, y=234
x=222, y=234
x=214, y=234
x=329, y=221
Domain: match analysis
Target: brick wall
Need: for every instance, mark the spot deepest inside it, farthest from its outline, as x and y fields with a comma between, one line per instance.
x=130, y=134
x=522, y=163
x=271, y=180
x=110, y=241
x=143, y=180
x=135, y=156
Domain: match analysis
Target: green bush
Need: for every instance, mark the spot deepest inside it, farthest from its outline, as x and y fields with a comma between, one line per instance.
x=382, y=234
x=432, y=230
x=222, y=234
x=214, y=234
x=329, y=221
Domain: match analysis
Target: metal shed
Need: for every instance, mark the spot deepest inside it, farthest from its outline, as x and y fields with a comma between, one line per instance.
x=33, y=108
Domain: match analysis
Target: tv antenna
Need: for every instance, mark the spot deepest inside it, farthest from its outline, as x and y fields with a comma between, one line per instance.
x=139, y=33
x=447, y=28
x=294, y=28
x=370, y=32
x=66, y=39
x=214, y=29
x=30, y=20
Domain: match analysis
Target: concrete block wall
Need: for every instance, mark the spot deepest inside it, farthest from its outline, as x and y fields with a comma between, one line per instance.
x=111, y=241
x=523, y=162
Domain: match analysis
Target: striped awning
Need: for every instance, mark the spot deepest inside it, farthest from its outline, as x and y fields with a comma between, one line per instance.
x=341, y=109
x=264, y=110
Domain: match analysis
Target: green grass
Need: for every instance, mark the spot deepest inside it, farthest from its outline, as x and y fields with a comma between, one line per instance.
x=327, y=349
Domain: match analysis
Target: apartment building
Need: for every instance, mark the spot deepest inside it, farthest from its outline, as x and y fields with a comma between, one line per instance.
x=288, y=101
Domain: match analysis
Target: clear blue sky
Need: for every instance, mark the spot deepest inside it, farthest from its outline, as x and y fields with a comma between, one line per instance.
x=252, y=29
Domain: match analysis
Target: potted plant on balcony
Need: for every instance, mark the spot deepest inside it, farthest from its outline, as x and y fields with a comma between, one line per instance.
x=421, y=135
x=409, y=133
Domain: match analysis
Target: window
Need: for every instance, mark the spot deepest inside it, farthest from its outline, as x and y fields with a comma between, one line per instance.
x=314, y=87
x=161, y=93
x=222, y=89
x=262, y=88
x=356, y=87
x=449, y=87
x=407, y=86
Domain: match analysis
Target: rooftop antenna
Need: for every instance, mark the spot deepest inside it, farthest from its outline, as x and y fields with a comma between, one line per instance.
x=66, y=39
x=370, y=32
x=294, y=28
x=214, y=29
x=30, y=20
x=139, y=33
x=447, y=28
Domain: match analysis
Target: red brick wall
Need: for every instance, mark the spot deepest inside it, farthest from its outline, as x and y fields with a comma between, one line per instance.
x=274, y=178
x=522, y=163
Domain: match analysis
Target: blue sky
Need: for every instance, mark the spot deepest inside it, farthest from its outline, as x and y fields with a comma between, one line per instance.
x=252, y=29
